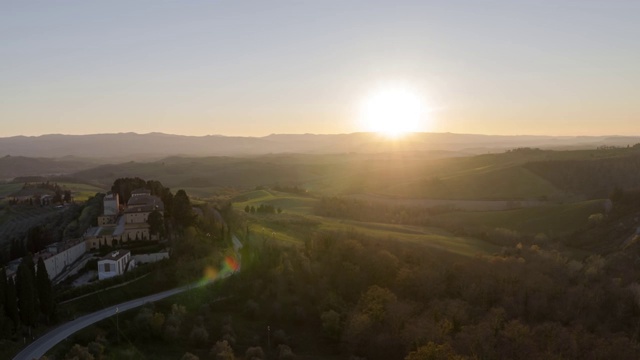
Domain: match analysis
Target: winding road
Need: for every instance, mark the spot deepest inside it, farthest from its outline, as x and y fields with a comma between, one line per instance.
x=40, y=346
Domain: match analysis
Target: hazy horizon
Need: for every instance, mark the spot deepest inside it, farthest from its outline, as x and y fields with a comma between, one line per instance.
x=255, y=68
x=321, y=134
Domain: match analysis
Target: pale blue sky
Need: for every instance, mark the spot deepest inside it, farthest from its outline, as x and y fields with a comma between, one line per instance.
x=556, y=67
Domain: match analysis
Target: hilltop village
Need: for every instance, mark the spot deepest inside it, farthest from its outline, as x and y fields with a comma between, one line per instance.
x=119, y=223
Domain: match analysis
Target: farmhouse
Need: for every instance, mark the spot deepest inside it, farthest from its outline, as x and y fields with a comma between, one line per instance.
x=115, y=264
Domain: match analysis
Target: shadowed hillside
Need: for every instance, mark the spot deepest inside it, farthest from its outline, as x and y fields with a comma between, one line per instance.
x=406, y=175
x=594, y=177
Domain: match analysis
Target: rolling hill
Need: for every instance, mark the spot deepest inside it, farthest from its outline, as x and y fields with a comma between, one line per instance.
x=155, y=146
x=17, y=166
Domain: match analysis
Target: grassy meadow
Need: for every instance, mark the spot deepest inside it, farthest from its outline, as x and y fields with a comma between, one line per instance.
x=298, y=222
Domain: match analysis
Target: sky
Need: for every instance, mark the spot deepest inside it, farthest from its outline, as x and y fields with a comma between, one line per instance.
x=253, y=68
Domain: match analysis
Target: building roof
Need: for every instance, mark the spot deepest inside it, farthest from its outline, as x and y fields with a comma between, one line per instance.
x=111, y=196
x=144, y=203
x=115, y=255
x=141, y=191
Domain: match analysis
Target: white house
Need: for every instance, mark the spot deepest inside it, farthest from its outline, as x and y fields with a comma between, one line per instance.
x=115, y=263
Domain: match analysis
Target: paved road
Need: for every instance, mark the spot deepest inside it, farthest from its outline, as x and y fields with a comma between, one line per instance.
x=40, y=346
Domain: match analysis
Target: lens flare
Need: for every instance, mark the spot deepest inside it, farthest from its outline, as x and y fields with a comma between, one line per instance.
x=231, y=263
x=210, y=274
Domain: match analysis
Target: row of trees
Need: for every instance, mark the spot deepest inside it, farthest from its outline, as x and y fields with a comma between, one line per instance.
x=34, y=234
x=26, y=301
x=262, y=209
x=59, y=194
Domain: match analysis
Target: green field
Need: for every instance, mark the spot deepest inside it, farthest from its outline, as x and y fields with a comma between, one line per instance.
x=292, y=203
x=82, y=192
x=9, y=188
x=427, y=236
x=296, y=224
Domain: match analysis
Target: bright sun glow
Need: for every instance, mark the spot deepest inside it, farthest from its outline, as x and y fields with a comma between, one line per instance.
x=392, y=112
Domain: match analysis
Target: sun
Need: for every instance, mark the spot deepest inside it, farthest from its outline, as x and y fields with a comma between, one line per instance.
x=392, y=112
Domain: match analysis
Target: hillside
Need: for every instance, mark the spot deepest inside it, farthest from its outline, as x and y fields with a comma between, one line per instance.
x=595, y=176
x=154, y=146
x=405, y=175
x=521, y=174
x=16, y=166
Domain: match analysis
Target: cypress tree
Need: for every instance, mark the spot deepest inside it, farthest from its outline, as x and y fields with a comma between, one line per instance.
x=45, y=290
x=182, y=212
x=28, y=261
x=11, y=303
x=3, y=286
x=27, y=295
x=3, y=294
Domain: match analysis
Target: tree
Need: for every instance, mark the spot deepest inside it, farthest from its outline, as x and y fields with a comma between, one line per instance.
x=3, y=286
x=433, y=351
x=45, y=290
x=254, y=353
x=199, y=335
x=57, y=197
x=4, y=320
x=156, y=223
x=189, y=356
x=156, y=323
x=27, y=294
x=331, y=324
x=37, y=238
x=11, y=303
x=182, y=209
x=79, y=352
x=222, y=351
x=96, y=348
x=124, y=186
x=280, y=337
x=247, y=209
x=375, y=302
x=285, y=353
x=67, y=196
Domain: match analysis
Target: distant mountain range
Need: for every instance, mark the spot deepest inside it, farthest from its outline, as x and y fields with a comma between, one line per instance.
x=132, y=146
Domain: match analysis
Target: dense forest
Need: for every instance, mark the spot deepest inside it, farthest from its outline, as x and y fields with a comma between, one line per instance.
x=353, y=296
x=377, y=299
